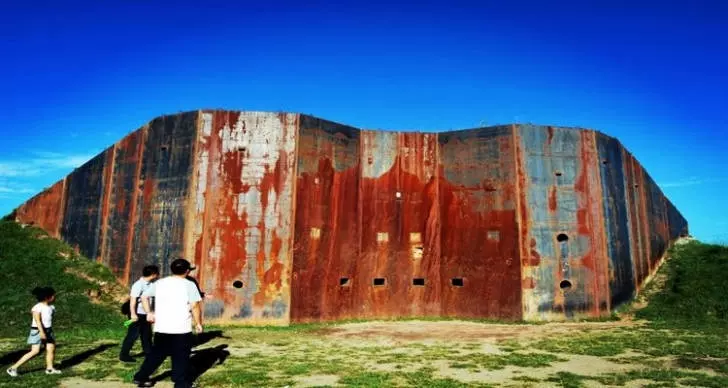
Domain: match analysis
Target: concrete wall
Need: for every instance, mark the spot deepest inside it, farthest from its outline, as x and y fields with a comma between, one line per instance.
x=294, y=218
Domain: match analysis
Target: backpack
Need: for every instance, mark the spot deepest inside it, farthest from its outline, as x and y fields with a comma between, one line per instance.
x=126, y=308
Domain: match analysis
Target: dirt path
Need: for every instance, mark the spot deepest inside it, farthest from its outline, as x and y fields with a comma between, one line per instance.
x=430, y=331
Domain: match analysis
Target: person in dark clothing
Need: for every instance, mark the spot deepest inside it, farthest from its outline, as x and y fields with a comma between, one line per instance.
x=140, y=327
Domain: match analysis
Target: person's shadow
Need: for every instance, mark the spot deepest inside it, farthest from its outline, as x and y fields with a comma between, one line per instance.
x=74, y=360
x=207, y=336
x=12, y=357
x=200, y=362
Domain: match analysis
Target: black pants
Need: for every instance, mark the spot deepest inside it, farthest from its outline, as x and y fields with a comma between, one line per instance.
x=177, y=346
x=140, y=328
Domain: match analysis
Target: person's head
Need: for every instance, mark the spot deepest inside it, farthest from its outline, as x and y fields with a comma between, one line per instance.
x=150, y=272
x=181, y=267
x=44, y=294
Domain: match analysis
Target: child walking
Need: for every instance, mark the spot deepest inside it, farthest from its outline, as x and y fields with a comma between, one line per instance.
x=41, y=331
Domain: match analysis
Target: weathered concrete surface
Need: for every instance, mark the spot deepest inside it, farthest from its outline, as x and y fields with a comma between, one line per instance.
x=291, y=218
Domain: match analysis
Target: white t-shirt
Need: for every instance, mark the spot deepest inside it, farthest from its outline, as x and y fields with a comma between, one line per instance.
x=46, y=315
x=173, y=299
x=137, y=289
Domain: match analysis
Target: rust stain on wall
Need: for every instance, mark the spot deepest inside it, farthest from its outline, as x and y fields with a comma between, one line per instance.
x=294, y=218
x=45, y=210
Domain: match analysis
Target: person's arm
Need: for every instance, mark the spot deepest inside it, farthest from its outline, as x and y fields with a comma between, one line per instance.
x=133, y=294
x=39, y=324
x=197, y=316
x=133, y=308
x=193, y=295
x=146, y=305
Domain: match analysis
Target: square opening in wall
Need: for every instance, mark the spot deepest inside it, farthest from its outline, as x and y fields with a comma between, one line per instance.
x=419, y=282
x=382, y=237
x=315, y=233
x=415, y=237
x=457, y=282
x=379, y=282
x=344, y=282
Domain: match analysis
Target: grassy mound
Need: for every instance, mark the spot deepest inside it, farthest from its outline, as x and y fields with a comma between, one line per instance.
x=87, y=292
x=693, y=294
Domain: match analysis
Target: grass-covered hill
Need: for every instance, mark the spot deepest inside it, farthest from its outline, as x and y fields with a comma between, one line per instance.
x=694, y=289
x=87, y=292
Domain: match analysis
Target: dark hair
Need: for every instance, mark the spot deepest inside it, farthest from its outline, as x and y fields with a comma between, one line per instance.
x=43, y=293
x=150, y=270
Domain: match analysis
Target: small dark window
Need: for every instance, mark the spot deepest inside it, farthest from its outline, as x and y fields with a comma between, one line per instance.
x=565, y=285
x=457, y=282
x=558, y=173
x=344, y=282
x=242, y=149
x=636, y=185
x=562, y=237
x=379, y=282
x=238, y=284
x=418, y=281
x=163, y=148
x=605, y=161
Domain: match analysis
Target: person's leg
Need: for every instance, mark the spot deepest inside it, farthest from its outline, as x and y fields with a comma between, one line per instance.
x=145, y=332
x=34, y=350
x=132, y=333
x=160, y=350
x=181, y=360
x=50, y=356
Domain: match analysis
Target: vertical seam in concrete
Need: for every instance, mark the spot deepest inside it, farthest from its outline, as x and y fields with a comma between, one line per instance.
x=208, y=199
x=438, y=203
x=62, y=209
x=519, y=220
x=292, y=215
x=189, y=203
x=134, y=203
x=603, y=228
x=105, y=204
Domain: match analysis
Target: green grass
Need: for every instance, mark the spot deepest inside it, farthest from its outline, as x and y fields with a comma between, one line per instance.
x=693, y=296
x=29, y=260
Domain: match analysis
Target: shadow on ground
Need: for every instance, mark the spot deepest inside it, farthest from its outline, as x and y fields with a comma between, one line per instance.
x=200, y=362
x=207, y=336
x=12, y=357
x=77, y=359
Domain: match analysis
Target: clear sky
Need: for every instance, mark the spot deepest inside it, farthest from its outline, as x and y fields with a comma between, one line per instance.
x=77, y=77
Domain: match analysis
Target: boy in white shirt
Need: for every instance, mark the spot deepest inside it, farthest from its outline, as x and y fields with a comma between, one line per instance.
x=140, y=327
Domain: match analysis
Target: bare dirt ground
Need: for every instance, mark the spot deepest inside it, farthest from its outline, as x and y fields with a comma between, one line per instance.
x=423, y=354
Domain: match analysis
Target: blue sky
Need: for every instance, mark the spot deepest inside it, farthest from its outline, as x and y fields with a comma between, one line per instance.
x=77, y=77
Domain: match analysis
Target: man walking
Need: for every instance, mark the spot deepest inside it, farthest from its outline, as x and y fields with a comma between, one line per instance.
x=176, y=308
x=139, y=327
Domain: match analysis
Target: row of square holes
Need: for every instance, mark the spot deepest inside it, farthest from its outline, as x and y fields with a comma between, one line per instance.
x=420, y=282
x=345, y=282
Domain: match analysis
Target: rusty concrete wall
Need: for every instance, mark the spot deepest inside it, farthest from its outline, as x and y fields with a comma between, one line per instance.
x=480, y=257
x=123, y=197
x=621, y=271
x=564, y=223
x=327, y=223
x=294, y=218
x=45, y=209
x=243, y=206
x=399, y=225
x=82, y=218
x=164, y=175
